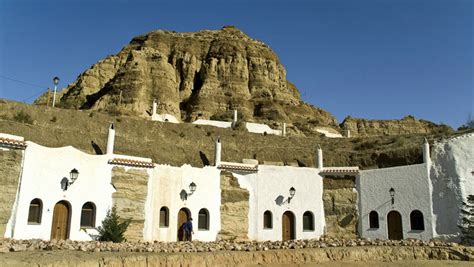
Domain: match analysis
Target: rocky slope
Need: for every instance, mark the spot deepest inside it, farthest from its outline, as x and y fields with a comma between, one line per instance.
x=204, y=74
x=407, y=125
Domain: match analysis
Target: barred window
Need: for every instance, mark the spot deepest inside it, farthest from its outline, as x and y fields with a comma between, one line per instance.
x=88, y=215
x=203, y=220
x=35, y=212
x=308, y=221
x=267, y=220
x=164, y=217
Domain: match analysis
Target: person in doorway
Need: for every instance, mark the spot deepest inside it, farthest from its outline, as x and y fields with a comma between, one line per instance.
x=188, y=230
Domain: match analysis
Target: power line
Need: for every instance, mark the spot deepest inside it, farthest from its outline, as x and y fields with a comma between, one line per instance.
x=23, y=82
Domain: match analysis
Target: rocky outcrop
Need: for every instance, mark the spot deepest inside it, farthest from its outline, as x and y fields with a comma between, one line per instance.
x=407, y=125
x=10, y=165
x=234, y=209
x=340, y=206
x=194, y=75
x=129, y=199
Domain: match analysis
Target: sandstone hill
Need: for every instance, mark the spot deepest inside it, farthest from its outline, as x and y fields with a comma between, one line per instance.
x=203, y=74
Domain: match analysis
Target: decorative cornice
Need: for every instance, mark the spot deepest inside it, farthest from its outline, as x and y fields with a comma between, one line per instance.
x=132, y=163
x=12, y=143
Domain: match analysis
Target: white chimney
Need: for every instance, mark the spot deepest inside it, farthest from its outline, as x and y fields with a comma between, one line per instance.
x=283, y=132
x=426, y=154
x=217, y=158
x=319, y=158
x=110, y=140
x=348, y=133
x=234, y=119
x=153, y=109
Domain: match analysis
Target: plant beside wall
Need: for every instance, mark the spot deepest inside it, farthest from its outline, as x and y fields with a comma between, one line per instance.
x=467, y=221
x=113, y=227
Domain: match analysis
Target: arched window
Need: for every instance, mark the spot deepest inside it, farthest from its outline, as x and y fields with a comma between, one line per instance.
x=88, y=215
x=373, y=220
x=203, y=220
x=164, y=217
x=267, y=220
x=308, y=221
x=36, y=209
x=416, y=220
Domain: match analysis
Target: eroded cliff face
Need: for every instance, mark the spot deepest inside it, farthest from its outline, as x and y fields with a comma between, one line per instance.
x=407, y=125
x=204, y=74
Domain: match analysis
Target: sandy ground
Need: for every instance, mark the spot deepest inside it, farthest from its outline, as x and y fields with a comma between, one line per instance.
x=78, y=258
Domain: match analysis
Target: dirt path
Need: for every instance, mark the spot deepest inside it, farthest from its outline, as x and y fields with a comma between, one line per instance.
x=341, y=256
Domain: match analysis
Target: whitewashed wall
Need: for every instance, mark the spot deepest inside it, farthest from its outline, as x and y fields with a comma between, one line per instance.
x=42, y=173
x=412, y=192
x=261, y=128
x=272, y=183
x=164, y=118
x=452, y=179
x=165, y=187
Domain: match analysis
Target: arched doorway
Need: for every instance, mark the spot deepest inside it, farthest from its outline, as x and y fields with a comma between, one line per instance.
x=61, y=218
x=183, y=215
x=288, y=226
x=394, y=225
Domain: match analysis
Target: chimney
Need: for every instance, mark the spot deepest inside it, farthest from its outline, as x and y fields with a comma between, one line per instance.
x=217, y=158
x=319, y=158
x=426, y=154
x=283, y=132
x=153, y=109
x=111, y=139
x=234, y=119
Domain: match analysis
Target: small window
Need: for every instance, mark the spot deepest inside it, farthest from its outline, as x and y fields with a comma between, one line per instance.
x=203, y=220
x=88, y=215
x=373, y=220
x=35, y=212
x=267, y=220
x=416, y=220
x=164, y=217
x=308, y=221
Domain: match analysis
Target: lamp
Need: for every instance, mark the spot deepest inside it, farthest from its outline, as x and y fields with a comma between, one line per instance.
x=392, y=195
x=65, y=183
x=192, y=188
x=73, y=174
x=292, y=193
x=55, y=81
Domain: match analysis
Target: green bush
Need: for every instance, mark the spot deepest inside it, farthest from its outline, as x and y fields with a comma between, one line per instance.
x=22, y=116
x=113, y=227
x=467, y=221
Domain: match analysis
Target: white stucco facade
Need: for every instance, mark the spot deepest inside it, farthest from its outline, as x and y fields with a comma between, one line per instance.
x=412, y=192
x=452, y=178
x=261, y=128
x=164, y=118
x=166, y=190
x=43, y=170
x=269, y=190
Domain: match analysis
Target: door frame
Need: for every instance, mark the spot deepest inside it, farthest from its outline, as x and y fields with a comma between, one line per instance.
x=388, y=224
x=292, y=225
x=68, y=224
x=179, y=229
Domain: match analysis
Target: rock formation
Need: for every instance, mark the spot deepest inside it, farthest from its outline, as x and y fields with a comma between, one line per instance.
x=205, y=75
x=407, y=125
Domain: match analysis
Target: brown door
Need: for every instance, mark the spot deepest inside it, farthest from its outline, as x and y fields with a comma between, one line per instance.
x=60, y=226
x=288, y=226
x=183, y=216
x=394, y=225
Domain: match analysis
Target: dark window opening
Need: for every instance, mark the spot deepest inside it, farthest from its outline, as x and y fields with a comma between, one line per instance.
x=267, y=220
x=416, y=220
x=88, y=215
x=164, y=217
x=308, y=221
x=373, y=219
x=35, y=212
x=203, y=220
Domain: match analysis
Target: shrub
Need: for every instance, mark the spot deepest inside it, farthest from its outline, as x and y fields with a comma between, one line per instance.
x=113, y=227
x=467, y=221
x=22, y=116
x=54, y=119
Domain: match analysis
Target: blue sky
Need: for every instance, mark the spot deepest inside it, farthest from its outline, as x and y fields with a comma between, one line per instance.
x=376, y=59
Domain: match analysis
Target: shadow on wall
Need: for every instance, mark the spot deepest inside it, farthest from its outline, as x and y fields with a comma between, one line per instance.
x=280, y=200
x=446, y=193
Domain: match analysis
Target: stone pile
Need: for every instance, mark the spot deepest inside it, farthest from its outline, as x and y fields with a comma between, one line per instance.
x=11, y=245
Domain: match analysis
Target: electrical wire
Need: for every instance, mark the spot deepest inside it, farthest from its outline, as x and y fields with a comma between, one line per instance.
x=18, y=81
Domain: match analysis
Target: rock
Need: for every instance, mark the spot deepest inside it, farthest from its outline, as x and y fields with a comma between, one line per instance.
x=18, y=247
x=195, y=75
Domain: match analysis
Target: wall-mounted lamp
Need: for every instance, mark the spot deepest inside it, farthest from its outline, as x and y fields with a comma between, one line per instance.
x=292, y=193
x=192, y=188
x=65, y=183
x=392, y=195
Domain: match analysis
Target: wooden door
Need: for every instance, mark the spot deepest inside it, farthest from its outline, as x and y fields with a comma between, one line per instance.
x=288, y=226
x=183, y=216
x=394, y=225
x=60, y=226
